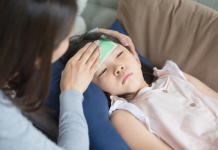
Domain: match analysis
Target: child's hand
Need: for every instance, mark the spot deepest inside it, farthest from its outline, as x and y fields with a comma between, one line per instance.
x=126, y=40
x=80, y=69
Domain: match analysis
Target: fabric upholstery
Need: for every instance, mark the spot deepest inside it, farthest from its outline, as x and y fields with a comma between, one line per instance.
x=179, y=30
x=210, y=3
x=80, y=25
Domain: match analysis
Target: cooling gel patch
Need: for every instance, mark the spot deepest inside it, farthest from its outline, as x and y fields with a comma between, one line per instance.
x=108, y=47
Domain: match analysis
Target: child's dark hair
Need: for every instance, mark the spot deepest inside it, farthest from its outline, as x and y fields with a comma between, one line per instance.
x=78, y=42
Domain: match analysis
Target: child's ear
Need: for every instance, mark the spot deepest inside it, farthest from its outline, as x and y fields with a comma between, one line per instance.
x=138, y=61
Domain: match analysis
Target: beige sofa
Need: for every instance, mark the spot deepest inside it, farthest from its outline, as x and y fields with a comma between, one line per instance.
x=183, y=31
x=179, y=30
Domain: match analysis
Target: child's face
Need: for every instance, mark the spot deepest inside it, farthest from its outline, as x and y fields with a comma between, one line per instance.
x=120, y=73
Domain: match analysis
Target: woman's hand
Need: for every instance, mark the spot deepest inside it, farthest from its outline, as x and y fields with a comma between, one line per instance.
x=80, y=69
x=126, y=40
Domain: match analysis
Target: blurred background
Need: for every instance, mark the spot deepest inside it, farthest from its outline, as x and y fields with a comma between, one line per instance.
x=101, y=13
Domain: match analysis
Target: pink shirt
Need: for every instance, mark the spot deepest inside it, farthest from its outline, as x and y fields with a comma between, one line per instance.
x=175, y=111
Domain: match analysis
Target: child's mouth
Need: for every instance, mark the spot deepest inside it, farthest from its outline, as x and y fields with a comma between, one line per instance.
x=126, y=77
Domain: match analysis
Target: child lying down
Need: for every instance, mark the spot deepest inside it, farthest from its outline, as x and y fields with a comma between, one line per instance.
x=152, y=108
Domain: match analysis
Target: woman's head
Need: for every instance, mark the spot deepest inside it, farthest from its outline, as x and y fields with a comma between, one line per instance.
x=33, y=34
x=120, y=73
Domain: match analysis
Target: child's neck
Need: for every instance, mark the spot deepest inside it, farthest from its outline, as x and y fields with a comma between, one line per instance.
x=143, y=85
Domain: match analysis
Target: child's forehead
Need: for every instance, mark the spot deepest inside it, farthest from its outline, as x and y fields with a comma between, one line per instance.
x=115, y=52
x=118, y=48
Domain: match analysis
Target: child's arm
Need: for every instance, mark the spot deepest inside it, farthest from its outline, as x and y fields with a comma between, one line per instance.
x=201, y=87
x=135, y=133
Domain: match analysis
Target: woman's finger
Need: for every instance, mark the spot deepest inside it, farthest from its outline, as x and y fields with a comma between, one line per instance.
x=94, y=56
x=78, y=55
x=89, y=52
x=95, y=64
x=131, y=45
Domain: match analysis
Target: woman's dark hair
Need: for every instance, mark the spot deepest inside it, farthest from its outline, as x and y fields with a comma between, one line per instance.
x=31, y=30
x=77, y=42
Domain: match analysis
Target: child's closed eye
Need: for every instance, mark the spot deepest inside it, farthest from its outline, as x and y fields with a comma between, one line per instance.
x=102, y=72
x=106, y=68
x=119, y=54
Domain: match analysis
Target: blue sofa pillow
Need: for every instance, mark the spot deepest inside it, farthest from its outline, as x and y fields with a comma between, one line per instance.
x=102, y=134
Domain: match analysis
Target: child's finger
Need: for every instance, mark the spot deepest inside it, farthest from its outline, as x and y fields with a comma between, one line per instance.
x=89, y=52
x=95, y=64
x=94, y=57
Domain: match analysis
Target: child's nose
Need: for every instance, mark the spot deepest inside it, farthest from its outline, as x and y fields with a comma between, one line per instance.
x=119, y=69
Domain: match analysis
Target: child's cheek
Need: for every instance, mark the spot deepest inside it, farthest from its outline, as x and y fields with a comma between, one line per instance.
x=108, y=85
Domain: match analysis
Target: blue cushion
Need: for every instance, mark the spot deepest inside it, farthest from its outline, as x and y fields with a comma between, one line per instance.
x=102, y=134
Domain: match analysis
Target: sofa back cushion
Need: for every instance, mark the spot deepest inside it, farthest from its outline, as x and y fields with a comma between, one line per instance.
x=179, y=30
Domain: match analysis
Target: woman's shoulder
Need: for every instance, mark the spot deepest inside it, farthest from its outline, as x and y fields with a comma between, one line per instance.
x=7, y=108
x=4, y=101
